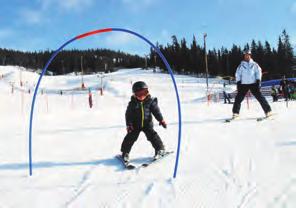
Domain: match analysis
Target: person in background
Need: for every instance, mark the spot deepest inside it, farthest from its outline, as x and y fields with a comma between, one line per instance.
x=248, y=77
x=274, y=93
x=290, y=90
x=225, y=94
x=284, y=87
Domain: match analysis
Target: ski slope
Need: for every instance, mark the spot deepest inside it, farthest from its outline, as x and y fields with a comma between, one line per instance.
x=242, y=164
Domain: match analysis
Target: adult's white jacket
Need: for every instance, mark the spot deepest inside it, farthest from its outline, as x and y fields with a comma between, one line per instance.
x=248, y=72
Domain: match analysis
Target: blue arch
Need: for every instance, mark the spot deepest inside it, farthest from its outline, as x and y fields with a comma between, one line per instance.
x=97, y=32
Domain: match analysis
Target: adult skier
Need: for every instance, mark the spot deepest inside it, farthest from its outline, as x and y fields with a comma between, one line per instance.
x=248, y=77
x=139, y=118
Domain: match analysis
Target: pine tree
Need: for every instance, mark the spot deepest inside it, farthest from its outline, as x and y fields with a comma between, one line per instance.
x=288, y=53
x=235, y=58
x=175, y=51
x=196, y=57
x=269, y=61
x=185, y=56
x=254, y=49
x=193, y=66
x=260, y=54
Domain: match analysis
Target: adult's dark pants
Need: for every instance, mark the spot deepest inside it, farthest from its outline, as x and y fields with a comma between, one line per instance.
x=255, y=90
x=132, y=136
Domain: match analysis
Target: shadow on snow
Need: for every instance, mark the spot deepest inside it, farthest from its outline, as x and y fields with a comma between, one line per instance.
x=46, y=165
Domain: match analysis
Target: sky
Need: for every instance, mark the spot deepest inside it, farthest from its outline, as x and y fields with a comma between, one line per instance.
x=46, y=24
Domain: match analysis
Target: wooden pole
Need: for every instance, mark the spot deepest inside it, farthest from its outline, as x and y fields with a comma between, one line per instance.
x=206, y=61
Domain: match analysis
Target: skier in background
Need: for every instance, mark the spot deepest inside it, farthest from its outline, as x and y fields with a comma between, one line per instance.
x=274, y=93
x=293, y=91
x=284, y=87
x=225, y=94
x=139, y=118
x=248, y=77
x=290, y=90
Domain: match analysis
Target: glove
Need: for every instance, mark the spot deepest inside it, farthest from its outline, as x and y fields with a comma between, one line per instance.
x=258, y=83
x=163, y=124
x=238, y=85
x=129, y=128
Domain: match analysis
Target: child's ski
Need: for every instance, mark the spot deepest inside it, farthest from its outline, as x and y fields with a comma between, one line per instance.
x=127, y=164
x=152, y=161
x=230, y=119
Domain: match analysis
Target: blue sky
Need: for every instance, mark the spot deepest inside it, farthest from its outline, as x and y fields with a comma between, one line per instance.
x=46, y=24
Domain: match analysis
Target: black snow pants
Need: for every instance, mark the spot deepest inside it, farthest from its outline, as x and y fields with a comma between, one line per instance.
x=151, y=135
x=255, y=90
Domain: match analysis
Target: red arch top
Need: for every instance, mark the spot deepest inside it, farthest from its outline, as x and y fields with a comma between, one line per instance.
x=93, y=32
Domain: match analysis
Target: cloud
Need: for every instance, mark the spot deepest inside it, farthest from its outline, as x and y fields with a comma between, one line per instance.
x=293, y=8
x=5, y=33
x=138, y=5
x=67, y=5
x=33, y=44
x=164, y=37
x=164, y=33
x=31, y=16
x=119, y=39
x=76, y=5
x=17, y=42
x=46, y=8
x=124, y=42
x=222, y=2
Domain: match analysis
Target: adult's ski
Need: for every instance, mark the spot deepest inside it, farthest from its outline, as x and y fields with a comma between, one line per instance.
x=257, y=119
x=270, y=117
x=264, y=118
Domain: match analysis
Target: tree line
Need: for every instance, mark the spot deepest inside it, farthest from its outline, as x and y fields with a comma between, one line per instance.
x=274, y=62
x=67, y=61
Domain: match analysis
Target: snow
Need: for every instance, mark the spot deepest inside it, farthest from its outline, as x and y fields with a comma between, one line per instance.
x=243, y=164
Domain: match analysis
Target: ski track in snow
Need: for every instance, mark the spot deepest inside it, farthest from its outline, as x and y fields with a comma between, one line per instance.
x=81, y=186
x=283, y=198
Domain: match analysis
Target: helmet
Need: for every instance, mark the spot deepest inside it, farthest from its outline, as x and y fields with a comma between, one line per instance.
x=140, y=85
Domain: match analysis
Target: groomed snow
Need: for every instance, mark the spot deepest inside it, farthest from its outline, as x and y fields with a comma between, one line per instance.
x=242, y=164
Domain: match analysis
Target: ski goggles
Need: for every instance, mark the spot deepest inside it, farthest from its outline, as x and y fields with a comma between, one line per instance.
x=141, y=93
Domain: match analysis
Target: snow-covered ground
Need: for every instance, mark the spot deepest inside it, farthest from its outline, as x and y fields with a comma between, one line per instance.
x=242, y=164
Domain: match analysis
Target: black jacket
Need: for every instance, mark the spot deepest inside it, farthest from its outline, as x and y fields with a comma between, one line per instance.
x=139, y=113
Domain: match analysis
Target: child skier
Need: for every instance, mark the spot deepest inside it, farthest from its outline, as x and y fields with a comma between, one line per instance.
x=138, y=118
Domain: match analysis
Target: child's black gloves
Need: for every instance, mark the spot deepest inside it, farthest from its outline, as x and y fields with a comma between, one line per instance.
x=129, y=128
x=163, y=124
